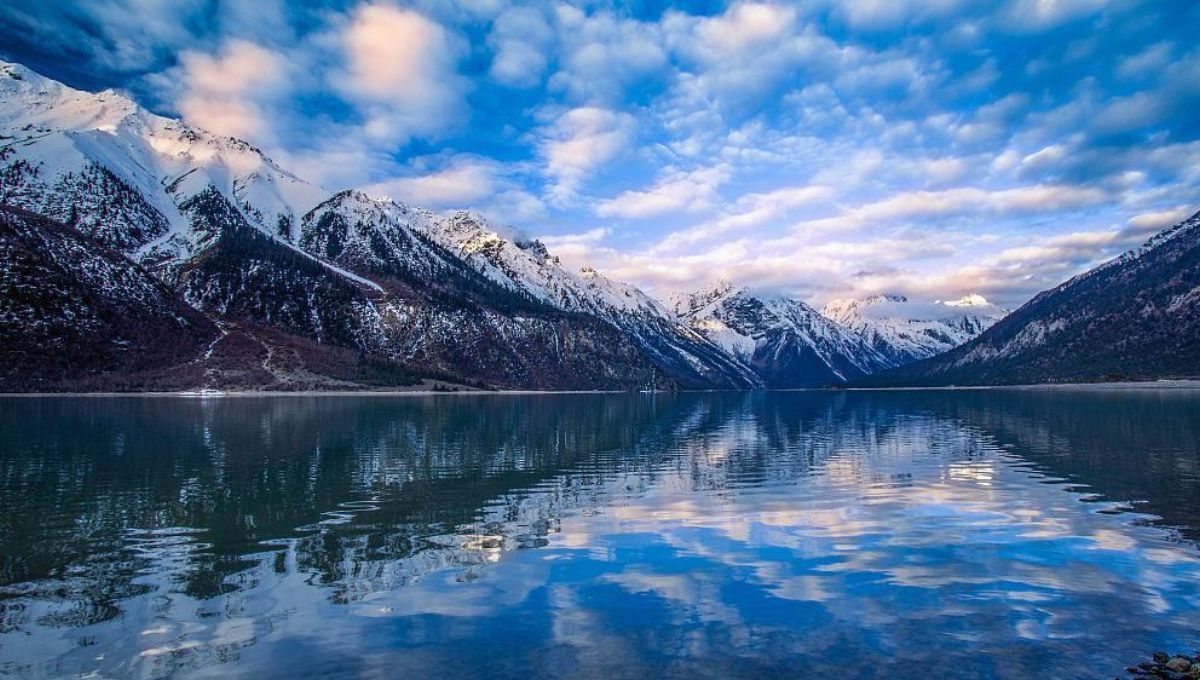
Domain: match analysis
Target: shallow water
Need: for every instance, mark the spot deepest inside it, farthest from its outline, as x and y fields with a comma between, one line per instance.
x=972, y=534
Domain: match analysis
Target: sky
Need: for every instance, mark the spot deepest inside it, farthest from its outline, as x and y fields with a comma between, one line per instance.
x=823, y=149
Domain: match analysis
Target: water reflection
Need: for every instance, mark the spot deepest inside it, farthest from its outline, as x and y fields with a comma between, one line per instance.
x=885, y=534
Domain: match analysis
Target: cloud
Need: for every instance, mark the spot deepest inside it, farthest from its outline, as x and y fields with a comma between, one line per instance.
x=1146, y=62
x=402, y=67
x=579, y=141
x=1160, y=219
x=745, y=26
x=230, y=93
x=676, y=193
x=520, y=39
x=963, y=200
x=882, y=15
x=870, y=144
x=463, y=182
x=1041, y=15
x=735, y=59
x=605, y=56
x=569, y=240
x=458, y=186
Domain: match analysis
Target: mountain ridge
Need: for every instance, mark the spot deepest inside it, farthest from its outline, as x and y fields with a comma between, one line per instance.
x=244, y=241
x=364, y=285
x=1136, y=316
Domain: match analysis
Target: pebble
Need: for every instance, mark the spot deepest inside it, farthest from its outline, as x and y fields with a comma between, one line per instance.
x=1179, y=664
x=1168, y=667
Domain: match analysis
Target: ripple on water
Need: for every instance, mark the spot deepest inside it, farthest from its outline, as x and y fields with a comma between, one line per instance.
x=990, y=534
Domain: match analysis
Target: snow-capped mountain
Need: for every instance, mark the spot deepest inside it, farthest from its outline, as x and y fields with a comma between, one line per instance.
x=526, y=266
x=785, y=341
x=1137, y=316
x=245, y=242
x=904, y=331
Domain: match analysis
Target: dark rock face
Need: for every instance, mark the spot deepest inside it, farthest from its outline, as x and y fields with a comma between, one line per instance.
x=73, y=311
x=246, y=275
x=1136, y=317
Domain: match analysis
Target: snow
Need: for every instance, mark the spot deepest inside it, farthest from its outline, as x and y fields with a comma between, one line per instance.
x=62, y=130
x=969, y=300
x=905, y=331
x=741, y=321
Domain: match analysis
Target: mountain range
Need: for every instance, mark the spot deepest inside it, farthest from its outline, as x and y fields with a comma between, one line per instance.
x=143, y=253
x=1136, y=317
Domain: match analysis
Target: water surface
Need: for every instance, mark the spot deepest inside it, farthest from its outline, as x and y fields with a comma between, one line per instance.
x=965, y=534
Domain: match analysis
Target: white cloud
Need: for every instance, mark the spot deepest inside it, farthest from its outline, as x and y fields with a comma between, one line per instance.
x=578, y=142
x=604, y=55
x=1040, y=15
x=230, y=93
x=1149, y=61
x=402, y=68
x=464, y=182
x=590, y=236
x=678, y=192
x=1160, y=219
x=1040, y=198
x=735, y=59
x=751, y=210
x=520, y=38
x=745, y=26
x=459, y=186
x=875, y=15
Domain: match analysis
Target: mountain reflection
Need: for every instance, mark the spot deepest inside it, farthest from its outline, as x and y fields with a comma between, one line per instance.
x=165, y=535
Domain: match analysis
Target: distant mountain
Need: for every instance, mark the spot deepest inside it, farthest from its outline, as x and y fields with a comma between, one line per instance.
x=785, y=341
x=1135, y=317
x=526, y=267
x=904, y=331
x=279, y=262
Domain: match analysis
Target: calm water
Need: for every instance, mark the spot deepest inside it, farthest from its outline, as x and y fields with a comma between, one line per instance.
x=974, y=534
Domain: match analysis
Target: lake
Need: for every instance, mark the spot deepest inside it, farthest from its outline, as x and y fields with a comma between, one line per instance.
x=1007, y=533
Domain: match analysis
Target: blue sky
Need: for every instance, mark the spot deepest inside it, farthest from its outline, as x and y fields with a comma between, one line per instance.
x=925, y=147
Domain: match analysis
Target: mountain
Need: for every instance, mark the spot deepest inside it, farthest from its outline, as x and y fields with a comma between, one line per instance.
x=526, y=266
x=904, y=331
x=72, y=308
x=785, y=341
x=279, y=262
x=1135, y=317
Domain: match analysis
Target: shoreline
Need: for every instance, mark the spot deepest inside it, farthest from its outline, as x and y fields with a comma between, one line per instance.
x=1166, y=383
x=1173, y=384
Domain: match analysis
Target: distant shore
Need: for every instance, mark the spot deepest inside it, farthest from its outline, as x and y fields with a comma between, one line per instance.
x=1172, y=384
x=421, y=391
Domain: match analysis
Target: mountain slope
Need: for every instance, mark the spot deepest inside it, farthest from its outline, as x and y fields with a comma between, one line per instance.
x=526, y=267
x=786, y=342
x=1137, y=316
x=255, y=248
x=72, y=309
x=904, y=331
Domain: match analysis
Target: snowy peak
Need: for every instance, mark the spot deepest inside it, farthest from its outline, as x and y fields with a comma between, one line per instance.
x=237, y=235
x=59, y=135
x=787, y=342
x=968, y=300
x=904, y=331
x=1134, y=317
x=35, y=104
x=686, y=304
